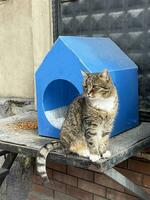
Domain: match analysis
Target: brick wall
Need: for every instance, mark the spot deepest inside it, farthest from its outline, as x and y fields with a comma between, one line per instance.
x=73, y=183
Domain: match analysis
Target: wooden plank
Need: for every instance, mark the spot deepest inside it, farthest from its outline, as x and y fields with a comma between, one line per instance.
x=118, y=177
x=28, y=142
x=122, y=147
x=15, y=139
x=15, y=148
x=103, y=164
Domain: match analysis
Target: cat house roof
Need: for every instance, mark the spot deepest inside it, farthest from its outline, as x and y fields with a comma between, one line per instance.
x=94, y=54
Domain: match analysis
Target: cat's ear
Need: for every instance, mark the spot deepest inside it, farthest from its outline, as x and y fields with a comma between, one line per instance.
x=84, y=74
x=105, y=74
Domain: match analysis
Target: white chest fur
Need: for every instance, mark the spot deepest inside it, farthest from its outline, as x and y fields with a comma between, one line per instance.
x=106, y=104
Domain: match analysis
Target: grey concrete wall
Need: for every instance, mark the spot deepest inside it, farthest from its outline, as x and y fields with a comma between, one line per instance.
x=16, y=57
x=25, y=38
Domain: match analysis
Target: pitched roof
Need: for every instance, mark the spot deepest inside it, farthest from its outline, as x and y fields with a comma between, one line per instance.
x=97, y=53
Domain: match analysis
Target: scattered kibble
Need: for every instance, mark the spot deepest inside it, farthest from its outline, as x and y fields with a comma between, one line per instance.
x=26, y=125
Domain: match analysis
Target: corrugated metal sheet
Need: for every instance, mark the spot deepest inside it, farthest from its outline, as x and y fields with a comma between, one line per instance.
x=127, y=22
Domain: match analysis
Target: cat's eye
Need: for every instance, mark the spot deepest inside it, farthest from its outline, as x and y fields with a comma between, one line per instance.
x=103, y=89
x=95, y=86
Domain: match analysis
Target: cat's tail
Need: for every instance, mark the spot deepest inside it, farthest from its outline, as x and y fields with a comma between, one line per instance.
x=41, y=159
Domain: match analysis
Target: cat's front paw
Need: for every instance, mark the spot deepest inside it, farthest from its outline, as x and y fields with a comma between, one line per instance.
x=94, y=157
x=107, y=154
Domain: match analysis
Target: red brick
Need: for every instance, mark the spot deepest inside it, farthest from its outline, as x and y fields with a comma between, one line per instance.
x=96, y=197
x=133, y=176
x=57, y=166
x=146, y=181
x=81, y=173
x=40, y=189
x=78, y=193
x=38, y=180
x=60, y=187
x=71, y=180
x=123, y=164
x=62, y=196
x=129, y=192
x=41, y=196
x=107, y=182
x=115, y=195
x=92, y=187
x=139, y=166
x=49, y=172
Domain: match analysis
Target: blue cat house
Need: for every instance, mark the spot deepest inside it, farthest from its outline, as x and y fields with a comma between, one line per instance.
x=59, y=81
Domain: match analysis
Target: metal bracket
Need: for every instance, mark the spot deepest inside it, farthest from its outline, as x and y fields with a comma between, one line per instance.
x=118, y=177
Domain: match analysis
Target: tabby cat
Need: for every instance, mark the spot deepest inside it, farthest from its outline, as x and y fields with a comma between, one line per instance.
x=88, y=123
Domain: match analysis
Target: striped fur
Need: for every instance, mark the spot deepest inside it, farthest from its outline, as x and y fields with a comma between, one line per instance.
x=88, y=122
x=41, y=159
x=90, y=117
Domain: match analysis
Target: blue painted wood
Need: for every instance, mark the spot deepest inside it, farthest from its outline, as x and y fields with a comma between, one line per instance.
x=59, y=80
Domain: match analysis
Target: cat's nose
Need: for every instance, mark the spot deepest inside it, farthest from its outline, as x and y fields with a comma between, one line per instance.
x=90, y=95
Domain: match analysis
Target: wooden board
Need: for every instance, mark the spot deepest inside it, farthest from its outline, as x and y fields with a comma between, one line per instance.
x=15, y=139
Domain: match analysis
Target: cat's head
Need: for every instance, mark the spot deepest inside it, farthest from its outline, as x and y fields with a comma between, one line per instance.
x=96, y=85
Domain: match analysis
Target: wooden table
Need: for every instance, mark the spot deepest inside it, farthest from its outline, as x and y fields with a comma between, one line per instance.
x=15, y=139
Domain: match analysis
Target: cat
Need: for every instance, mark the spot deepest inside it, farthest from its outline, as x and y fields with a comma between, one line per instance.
x=88, y=123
